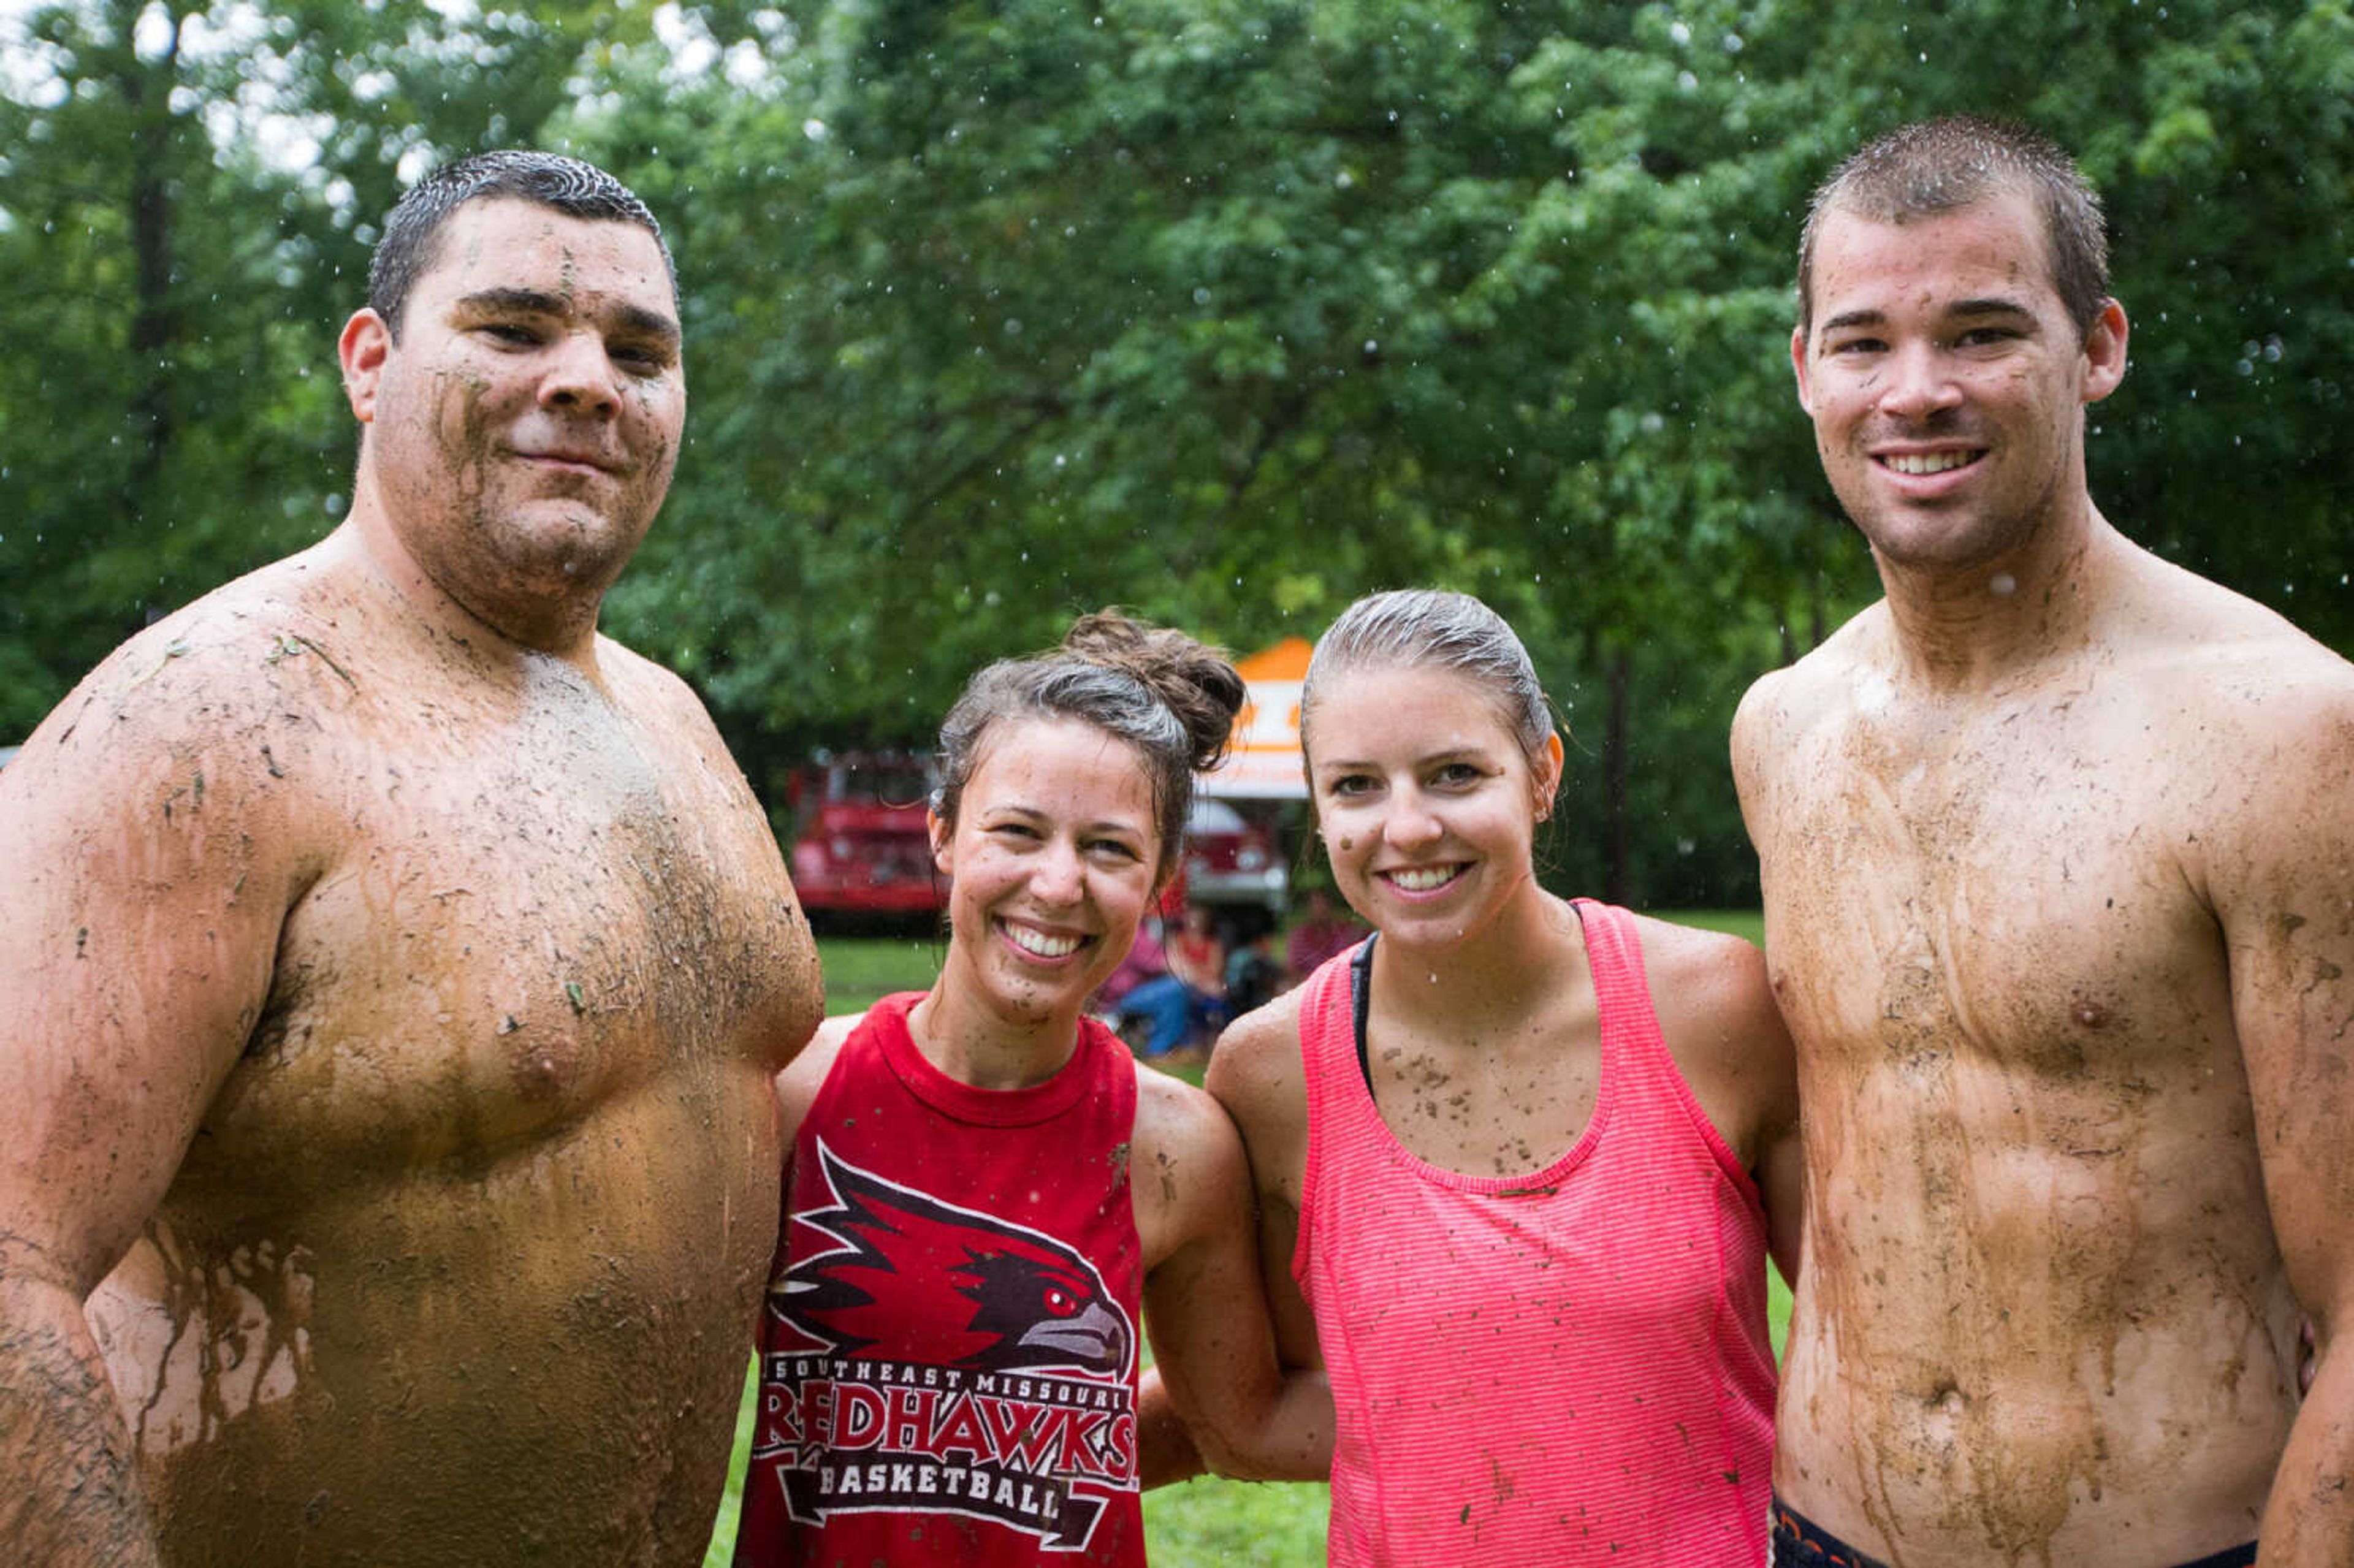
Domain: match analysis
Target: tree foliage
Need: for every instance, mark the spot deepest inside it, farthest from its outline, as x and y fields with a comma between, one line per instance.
x=1226, y=311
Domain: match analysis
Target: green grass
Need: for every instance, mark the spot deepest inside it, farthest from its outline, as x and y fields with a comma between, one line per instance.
x=1205, y=1523
x=860, y=970
x=1748, y=924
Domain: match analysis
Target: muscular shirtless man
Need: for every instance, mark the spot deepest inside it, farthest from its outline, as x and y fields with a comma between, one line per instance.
x=395, y=972
x=2058, y=873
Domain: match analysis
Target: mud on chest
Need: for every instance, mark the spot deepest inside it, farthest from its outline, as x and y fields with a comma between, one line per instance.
x=472, y=975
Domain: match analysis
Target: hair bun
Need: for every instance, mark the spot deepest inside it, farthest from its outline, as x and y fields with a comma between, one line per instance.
x=1197, y=681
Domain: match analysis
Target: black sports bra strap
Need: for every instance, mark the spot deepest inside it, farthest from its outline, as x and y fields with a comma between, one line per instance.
x=1360, y=1002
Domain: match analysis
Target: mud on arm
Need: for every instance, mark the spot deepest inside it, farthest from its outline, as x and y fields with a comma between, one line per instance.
x=136, y=946
x=2281, y=879
x=1242, y=1411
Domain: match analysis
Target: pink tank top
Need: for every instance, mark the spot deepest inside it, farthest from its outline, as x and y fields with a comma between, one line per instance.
x=1561, y=1368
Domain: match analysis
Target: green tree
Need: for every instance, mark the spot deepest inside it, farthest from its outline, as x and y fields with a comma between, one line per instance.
x=188, y=203
x=1226, y=311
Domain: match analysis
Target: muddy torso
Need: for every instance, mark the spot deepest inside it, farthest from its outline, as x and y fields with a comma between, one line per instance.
x=2041, y=1317
x=461, y=1263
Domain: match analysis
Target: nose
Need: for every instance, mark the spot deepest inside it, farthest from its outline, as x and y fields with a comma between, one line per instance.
x=579, y=375
x=1054, y=876
x=1410, y=823
x=1919, y=382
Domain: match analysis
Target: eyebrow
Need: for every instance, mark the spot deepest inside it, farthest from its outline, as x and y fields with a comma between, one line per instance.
x=1023, y=812
x=538, y=302
x=1990, y=305
x=1985, y=306
x=1469, y=752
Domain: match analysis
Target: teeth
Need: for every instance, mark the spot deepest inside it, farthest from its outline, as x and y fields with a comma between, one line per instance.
x=1927, y=463
x=1424, y=880
x=1040, y=943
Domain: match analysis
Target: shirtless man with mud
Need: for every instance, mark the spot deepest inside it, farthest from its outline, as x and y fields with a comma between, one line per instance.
x=395, y=972
x=2058, y=873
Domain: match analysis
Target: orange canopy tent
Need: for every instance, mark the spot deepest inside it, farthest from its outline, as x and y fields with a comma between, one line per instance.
x=1263, y=762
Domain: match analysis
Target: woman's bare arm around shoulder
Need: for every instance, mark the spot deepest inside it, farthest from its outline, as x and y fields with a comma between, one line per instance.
x=1253, y=1410
x=797, y=1084
x=1715, y=1005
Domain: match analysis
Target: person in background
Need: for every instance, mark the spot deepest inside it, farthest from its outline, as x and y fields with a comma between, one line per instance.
x=1519, y=1160
x=1323, y=934
x=1175, y=1002
x=987, y=1198
x=1254, y=971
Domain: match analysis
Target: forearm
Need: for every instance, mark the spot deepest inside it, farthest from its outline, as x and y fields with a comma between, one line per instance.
x=70, y=1494
x=2309, y=1521
x=1293, y=1441
x=1165, y=1450
x=1281, y=1431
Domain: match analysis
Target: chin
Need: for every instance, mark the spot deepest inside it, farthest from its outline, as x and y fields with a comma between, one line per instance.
x=569, y=552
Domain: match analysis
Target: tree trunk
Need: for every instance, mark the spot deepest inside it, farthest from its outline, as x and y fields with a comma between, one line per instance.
x=1618, y=884
x=154, y=320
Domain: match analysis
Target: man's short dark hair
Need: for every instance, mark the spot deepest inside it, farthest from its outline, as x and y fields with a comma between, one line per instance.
x=1942, y=165
x=411, y=235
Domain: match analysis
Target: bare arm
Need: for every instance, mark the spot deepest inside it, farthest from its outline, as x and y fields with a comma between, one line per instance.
x=1778, y=1157
x=149, y=869
x=805, y=1075
x=1205, y=1308
x=2281, y=880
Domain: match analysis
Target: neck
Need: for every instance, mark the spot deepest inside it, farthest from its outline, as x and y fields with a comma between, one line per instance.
x=486, y=617
x=1971, y=627
x=977, y=1046
x=1496, y=972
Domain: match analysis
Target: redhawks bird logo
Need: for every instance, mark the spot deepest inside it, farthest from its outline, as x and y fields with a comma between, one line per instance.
x=948, y=1285
x=950, y=1364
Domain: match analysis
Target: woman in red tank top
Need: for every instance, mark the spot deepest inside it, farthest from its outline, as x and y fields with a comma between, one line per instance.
x=984, y=1190
x=1516, y=1156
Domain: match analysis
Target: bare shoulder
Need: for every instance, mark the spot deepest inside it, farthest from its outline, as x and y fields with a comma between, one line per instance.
x=2242, y=696
x=1256, y=1073
x=2170, y=624
x=1185, y=1163
x=235, y=706
x=798, y=1084
x=661, y=704
x=651, y=689
x=1716, y=1011
x=1711, y=985
x=1256, y=1070
x=2263, y=736
x=1692, y=961
x=1817, y=691
x=1172, y=1115
x=160, y=826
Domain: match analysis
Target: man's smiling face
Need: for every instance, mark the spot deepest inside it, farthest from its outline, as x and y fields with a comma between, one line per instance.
x=1945, y=381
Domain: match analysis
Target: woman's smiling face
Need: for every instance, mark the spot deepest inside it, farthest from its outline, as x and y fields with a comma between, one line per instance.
x=1053, y=859
x=1426, y=799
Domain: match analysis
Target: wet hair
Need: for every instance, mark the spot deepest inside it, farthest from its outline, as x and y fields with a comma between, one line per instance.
x=1426, y=629
x=1172, y=698
x=1943, y=165
x=409, y=247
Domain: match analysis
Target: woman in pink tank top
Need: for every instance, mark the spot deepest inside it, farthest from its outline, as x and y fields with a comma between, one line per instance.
x=1516, y=1157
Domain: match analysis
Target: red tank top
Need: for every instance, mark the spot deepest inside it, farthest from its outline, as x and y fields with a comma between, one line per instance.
x=948, y=1348
x=1567, y=1367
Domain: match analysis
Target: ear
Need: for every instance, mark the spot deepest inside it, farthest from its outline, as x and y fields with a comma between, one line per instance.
x=2104, y=353
x=943, y=843
x=362, y=349
x=1798, y=368
x=1547, y=782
